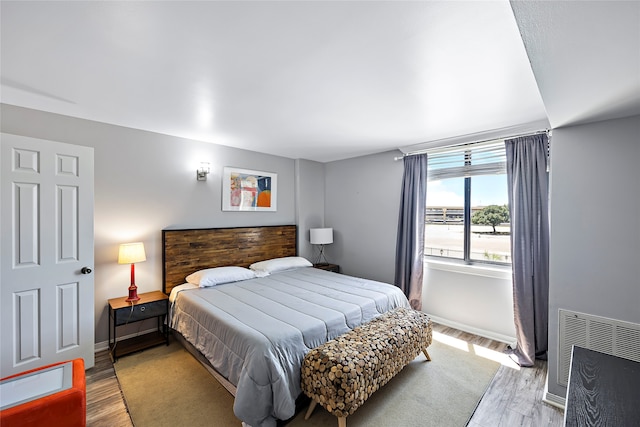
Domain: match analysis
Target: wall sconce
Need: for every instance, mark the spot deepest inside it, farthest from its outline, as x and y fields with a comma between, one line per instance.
x=203, y=171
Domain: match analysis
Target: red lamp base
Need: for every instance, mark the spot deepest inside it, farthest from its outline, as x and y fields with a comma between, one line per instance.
x=133, y=293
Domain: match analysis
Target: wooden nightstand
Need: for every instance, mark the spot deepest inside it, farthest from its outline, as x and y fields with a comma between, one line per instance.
x=151, y=304
x=329, y=267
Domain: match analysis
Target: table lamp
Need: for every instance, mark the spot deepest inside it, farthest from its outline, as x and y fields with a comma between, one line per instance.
x=130, y=253
x=321, y=236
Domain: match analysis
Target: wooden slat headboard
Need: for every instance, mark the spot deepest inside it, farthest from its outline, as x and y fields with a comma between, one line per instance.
x=186, y=251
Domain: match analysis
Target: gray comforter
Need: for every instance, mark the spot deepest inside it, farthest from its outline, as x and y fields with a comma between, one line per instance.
x=256, y=332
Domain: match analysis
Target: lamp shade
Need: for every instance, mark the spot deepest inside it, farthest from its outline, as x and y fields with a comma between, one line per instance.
x=130, y=253
x=321, y=236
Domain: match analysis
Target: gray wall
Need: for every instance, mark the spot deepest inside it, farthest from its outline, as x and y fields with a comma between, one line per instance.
x=145, y=182
x=362, y=199
x=309, y=203
x=595, y=225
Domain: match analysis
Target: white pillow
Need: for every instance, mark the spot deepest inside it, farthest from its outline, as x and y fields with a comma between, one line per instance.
x=219, y=275
x=279, y=264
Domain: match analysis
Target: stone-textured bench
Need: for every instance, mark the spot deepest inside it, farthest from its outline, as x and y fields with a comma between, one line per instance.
x=341, y=374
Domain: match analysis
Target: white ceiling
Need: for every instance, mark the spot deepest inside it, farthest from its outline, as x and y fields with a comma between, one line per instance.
x=323, y=80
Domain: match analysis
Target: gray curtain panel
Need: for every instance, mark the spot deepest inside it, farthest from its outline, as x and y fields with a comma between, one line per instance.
x=528, y=181
x=410, y=240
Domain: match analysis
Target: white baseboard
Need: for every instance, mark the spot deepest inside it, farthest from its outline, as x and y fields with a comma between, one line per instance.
x=100, y=346
x=476, y=331
x=104, y=345
x=553, y=400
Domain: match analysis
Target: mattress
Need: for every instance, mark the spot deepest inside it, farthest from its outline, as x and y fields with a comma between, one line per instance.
x=256, y=332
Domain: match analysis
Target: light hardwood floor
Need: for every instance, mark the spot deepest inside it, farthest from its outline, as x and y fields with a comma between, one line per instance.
x=514, y=397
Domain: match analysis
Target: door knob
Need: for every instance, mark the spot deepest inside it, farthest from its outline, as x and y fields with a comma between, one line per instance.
x=85, y=270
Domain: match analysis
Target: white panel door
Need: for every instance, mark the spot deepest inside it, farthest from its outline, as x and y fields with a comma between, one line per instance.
x=46, y=219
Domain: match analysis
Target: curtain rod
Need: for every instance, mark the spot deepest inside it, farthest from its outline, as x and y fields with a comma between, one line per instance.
x=413, y=153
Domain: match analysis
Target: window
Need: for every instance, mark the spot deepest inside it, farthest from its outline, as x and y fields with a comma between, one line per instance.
x=467, y=216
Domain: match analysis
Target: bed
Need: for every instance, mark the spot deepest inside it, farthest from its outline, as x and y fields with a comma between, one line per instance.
x=254, y=331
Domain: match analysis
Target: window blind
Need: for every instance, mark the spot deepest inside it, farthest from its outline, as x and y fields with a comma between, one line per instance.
x=481, y=158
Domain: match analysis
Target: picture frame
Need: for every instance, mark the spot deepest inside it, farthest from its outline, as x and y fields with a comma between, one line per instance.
x=249, y=190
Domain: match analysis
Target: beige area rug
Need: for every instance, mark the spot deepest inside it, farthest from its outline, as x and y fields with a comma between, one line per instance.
x=167, y=386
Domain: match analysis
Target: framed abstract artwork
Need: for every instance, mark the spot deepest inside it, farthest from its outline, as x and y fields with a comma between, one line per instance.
x=249, y=190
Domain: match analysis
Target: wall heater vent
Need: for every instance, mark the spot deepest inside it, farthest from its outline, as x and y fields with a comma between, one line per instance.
x=601, y=334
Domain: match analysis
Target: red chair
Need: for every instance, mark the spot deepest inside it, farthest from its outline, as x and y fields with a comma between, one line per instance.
x=65, y=408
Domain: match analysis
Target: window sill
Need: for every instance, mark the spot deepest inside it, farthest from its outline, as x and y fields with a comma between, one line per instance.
x=492, y=271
